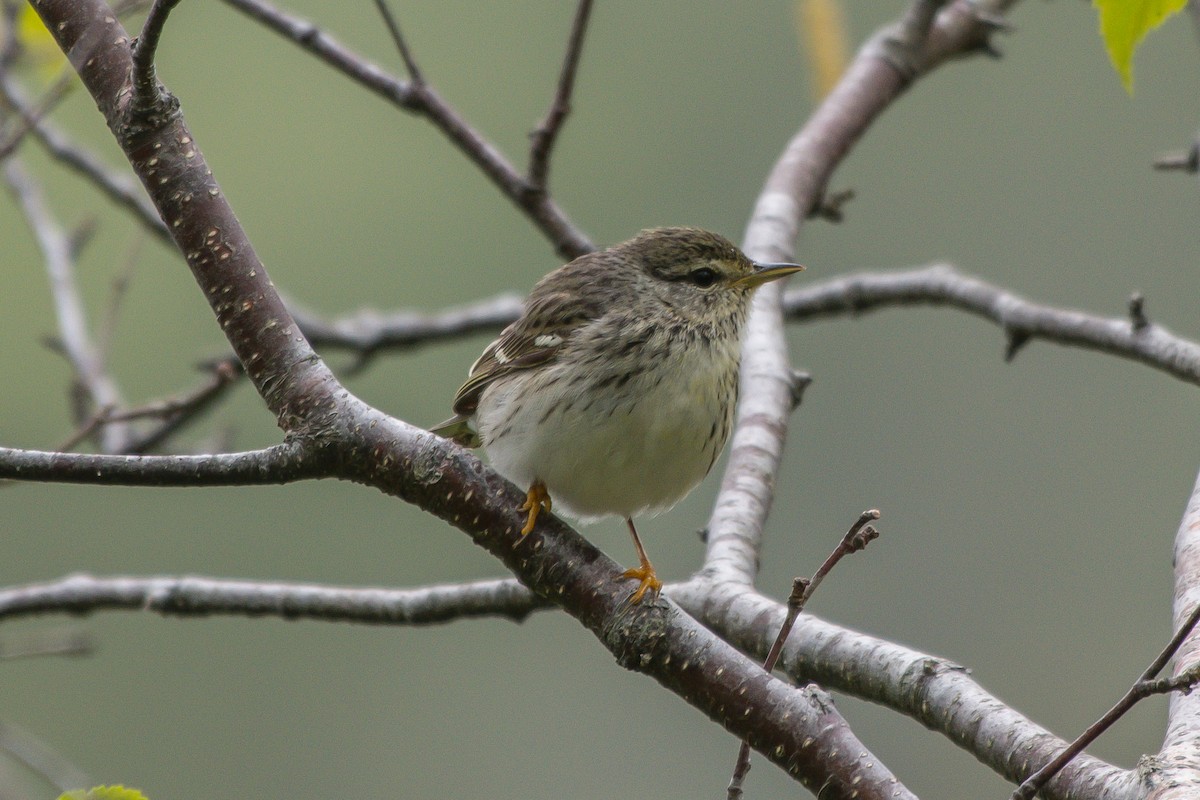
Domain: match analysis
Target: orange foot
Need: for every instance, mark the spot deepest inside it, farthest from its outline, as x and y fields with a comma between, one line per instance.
x=649, y=581
x=536, y=499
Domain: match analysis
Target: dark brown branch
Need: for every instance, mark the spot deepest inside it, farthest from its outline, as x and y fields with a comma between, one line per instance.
x=567, y=239
x=546, y=134
x=178, y=412
x=146, y=94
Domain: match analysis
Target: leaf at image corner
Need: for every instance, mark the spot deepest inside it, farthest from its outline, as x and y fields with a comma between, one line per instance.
x=104, y=793
x=1123, y=25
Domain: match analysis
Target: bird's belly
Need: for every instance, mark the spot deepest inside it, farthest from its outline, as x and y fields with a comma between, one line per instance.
x=630, y=452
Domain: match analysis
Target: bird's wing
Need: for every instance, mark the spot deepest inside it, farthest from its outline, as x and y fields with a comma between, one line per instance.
x=535, y=339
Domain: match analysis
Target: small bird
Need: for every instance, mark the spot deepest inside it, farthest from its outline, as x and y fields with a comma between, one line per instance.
x=614, y=391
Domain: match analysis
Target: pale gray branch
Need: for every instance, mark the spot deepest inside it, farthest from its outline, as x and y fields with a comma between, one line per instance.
x=119, y=187
x=792, y=189
x=284, y=463
x=1021, y=319
x=941, y=695
x=73, y=334
x=1174, y=773
x=187, y=595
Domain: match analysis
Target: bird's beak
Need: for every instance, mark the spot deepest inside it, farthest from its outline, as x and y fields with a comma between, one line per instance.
x=764, y=273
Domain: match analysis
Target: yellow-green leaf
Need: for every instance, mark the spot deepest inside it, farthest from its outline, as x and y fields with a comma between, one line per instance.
x=1123, y=25
x=104, y=793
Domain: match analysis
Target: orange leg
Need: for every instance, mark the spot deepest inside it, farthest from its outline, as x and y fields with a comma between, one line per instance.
x=536, y=499
x=645, y=573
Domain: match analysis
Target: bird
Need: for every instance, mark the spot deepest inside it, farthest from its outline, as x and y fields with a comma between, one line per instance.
x=613, y=393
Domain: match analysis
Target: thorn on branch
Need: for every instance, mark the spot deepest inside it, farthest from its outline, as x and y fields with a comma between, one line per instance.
x=1016, y=341
x=798, y=381
x=829, y=207
x=1137, y=312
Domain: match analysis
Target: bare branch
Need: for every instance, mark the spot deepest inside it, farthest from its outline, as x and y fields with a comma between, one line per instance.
x=410, y=63
x=100, y=388
x=369, y=332
x=180, y=411
x=119, y=188
x=39, y=757
x=283, y=463
x=197, y=596
x=71, y=643
x=857, y=538
x=795, y=187
x=1172, y=774
x=1141, y=689
x=939, y=694
x=1021, y=320
x=567, y=239
x=546, y=134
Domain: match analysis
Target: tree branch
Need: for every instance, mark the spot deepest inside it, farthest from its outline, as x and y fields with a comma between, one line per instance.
x=793, y=189
x=421, y=98
x=117, y=187
x=798, y=730
x=90, y=375
x=939, y=694
x=546, y=134
x=196, y=596
x=283, y=463
x=1022, y=321
x=1174, y=773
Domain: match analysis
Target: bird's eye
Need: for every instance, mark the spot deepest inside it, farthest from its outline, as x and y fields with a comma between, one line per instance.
x=703, y=277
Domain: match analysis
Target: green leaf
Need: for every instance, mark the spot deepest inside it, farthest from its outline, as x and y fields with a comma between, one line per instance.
x=104, y=793
x=1123, y=25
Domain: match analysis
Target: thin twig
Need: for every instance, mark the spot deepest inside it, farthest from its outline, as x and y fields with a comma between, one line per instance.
x=178, y=412
x=147, y=96
x=410, y=63
x=100, y=388
x=546, y=134
x=120, y=288
x=72, y=643
x=568, y=240
x=1143, y=687
x=122, y=189
x=859, y=536
x=29, y=117
x=42, y=759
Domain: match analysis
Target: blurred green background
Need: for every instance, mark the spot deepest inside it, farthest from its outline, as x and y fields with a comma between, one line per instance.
x=1029, y=508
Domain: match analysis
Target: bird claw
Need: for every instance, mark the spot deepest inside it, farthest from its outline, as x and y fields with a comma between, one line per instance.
x=648, y=581
x=536, y=499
